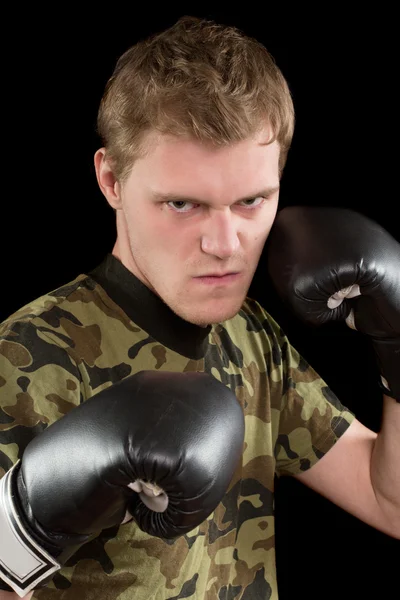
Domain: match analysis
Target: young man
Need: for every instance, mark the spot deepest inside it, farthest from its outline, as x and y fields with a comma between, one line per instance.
x=196, y=123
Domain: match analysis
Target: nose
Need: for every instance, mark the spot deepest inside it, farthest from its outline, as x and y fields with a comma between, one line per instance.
x=220, y=237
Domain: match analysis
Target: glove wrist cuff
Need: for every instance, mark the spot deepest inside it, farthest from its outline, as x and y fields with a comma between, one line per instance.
x=383, y=384
x=23, y=563
x=388, y=358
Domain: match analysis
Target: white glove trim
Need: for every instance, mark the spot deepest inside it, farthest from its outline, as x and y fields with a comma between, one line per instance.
x=23, y=564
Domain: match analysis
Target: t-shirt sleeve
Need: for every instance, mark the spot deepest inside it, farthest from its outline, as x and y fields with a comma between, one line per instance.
x=39, y=383
x=311, y=417
x=307, y=416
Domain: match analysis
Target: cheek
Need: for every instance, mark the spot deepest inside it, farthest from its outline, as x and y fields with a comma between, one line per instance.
x=150, y=230
x=165, y=243
x=256, y=236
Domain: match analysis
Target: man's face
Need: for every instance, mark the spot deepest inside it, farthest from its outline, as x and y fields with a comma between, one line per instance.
x=220, y=207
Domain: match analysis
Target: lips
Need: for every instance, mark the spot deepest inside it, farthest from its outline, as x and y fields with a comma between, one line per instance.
x=218, y=274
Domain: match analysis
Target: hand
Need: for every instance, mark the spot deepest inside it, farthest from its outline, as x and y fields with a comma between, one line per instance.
x=174, y=437
x=336, y=264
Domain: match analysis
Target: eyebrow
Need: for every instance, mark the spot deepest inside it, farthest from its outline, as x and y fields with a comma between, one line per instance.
x=172, y=197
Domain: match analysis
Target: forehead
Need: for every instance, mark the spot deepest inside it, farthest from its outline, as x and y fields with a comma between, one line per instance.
x=183, y=164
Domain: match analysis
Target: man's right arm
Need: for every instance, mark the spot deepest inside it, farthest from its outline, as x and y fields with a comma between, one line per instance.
x=70, y=484
x=24, y=394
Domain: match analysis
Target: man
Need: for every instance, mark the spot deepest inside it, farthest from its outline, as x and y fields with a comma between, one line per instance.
x=196, y=124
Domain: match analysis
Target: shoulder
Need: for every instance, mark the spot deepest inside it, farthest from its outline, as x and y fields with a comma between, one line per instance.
x=37, y=346
x=58, y=316
x=39, y=308
x=39, y=380
x=64, y=342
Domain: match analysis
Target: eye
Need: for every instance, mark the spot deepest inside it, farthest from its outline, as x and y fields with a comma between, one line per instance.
x=179, y=202
x=180, y=205
x=261, y=198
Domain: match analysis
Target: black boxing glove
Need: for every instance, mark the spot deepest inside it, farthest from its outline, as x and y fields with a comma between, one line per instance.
x=177, y=436
x=335, y=263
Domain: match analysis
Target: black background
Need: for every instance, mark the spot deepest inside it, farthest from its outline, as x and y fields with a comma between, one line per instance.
x=341, y=69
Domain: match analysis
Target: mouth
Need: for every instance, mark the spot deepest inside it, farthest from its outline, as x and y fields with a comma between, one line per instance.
x=218, y=279
x=218, y=274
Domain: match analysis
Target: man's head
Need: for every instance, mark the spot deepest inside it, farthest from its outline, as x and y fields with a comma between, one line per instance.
x=202, y=114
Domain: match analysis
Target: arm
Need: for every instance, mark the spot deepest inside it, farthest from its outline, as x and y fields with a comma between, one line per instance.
x=385, y=463
x=361, y=473
x=332, y=264
x=76, y=478
x=48, y=392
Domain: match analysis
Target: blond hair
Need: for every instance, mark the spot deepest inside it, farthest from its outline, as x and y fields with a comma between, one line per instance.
x=200, y=79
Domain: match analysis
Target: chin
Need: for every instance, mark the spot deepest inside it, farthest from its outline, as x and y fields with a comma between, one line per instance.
x=203, y=318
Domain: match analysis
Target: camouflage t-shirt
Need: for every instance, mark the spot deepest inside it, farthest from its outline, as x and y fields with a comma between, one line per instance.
x=81, y=338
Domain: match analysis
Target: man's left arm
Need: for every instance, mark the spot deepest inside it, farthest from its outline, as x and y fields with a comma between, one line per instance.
x=334, y=264
x=361, y=472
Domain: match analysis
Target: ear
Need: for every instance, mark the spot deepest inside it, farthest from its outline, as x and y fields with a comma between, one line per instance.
x=108, y=184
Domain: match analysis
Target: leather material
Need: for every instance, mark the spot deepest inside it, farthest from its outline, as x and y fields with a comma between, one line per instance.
x=316, y=252
x=183, y=432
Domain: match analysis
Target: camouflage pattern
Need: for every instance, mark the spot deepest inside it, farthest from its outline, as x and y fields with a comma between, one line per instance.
x=75, y=341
